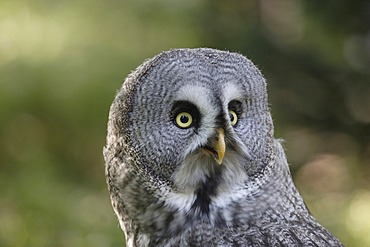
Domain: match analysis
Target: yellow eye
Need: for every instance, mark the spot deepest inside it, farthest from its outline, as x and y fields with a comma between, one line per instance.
x=233, y=118
x=184, y=120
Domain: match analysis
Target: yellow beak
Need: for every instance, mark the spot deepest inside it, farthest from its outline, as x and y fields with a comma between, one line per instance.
x=218, y=147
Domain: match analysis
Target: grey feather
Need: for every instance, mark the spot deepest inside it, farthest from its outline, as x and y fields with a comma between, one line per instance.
x=166, y=191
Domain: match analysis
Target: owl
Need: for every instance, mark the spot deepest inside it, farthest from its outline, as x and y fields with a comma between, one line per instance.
x=191, y=158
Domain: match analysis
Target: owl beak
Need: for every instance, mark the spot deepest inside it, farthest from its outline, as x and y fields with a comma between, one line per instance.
x=218, y=147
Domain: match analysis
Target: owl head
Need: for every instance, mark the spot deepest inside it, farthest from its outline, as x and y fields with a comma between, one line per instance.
x=191, y=159
x=190, y=114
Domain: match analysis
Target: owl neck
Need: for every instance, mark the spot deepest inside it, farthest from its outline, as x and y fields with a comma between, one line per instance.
x=204, y=193
x=218, y=204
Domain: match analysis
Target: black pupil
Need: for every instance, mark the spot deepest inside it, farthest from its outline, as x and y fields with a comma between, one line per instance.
x=231, y=117
x=184, y=119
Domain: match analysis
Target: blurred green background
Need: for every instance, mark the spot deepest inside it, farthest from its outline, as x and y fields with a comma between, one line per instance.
x=61, y=63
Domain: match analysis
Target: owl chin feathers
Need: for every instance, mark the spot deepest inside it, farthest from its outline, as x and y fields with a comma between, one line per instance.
x=220, y=162
x=199, y=168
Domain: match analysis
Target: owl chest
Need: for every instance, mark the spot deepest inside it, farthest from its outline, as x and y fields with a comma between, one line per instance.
x=186, y=213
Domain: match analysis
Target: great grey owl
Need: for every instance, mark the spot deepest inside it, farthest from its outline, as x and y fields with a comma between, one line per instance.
x=191, y=158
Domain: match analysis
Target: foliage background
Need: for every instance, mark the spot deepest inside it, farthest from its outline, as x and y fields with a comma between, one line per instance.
x=61, y=63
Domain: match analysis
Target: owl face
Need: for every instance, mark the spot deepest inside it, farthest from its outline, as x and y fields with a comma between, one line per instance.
x=196, y=113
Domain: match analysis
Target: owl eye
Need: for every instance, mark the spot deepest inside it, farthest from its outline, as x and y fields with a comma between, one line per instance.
x=184, y=120
x=233, y=117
